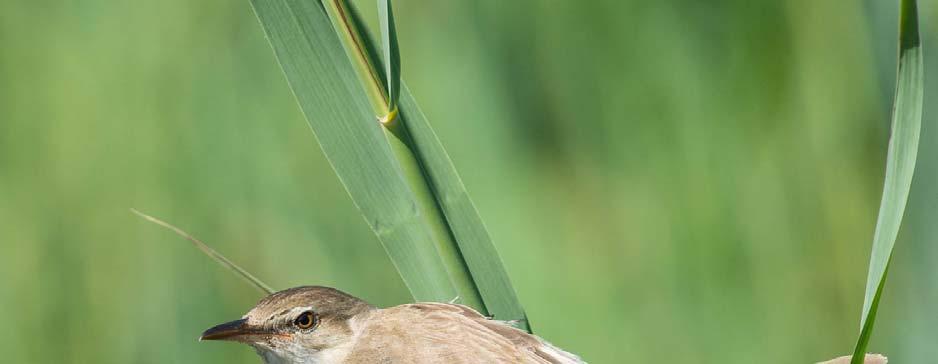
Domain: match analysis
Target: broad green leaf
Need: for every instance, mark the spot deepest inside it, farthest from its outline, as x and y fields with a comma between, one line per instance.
x=900, y=165
x=359, y=48
x=398, y=175
x=482, y=270
x=331, y=97
x=474, y=242
x=346, y=27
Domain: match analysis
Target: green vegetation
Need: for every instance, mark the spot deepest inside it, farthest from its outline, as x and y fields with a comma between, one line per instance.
x=396, y=171
x=665, y=181
x=900, y=165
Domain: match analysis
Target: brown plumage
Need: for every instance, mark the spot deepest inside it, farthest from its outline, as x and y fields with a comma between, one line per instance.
x=345, y=329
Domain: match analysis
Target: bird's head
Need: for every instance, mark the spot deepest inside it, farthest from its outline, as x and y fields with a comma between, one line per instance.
x=293, y=325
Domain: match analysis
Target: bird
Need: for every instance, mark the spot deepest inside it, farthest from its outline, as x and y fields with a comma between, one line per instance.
x=318, y=324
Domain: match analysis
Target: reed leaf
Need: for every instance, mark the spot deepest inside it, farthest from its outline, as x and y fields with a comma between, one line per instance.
x=412, y=128
x=399, y=175
x=360, y=50
x=463, y=241
x=900, y=165
x=475, y=244
x=331, y=97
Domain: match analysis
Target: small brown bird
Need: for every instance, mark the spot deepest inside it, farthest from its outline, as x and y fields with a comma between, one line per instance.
x=312, y=324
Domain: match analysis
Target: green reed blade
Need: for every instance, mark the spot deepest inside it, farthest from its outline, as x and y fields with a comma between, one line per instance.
x=399, y=176
x=487, y=275
x=334, y=103
x=391, y=53
x=900, y=165
x=466, y=225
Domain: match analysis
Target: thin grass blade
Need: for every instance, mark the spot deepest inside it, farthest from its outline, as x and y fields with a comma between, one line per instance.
x=900, y=166
x=220, y=259
x=391, y=53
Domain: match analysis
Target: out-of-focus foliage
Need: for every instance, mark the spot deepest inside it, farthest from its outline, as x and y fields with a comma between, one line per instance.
x=669, y=181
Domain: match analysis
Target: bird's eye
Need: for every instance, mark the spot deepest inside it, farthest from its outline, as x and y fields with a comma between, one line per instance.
x=305, y=320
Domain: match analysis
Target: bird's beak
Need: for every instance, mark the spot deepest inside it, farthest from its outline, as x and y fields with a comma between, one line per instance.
x=233, y=331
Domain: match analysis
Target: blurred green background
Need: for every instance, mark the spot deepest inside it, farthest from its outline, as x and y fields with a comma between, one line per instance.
x=667, y=181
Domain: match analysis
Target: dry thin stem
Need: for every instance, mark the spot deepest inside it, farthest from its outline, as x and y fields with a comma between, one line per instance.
x=210, y=252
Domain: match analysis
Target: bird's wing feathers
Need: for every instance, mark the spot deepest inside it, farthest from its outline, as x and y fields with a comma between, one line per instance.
x=533, y=345
x=458, y=334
